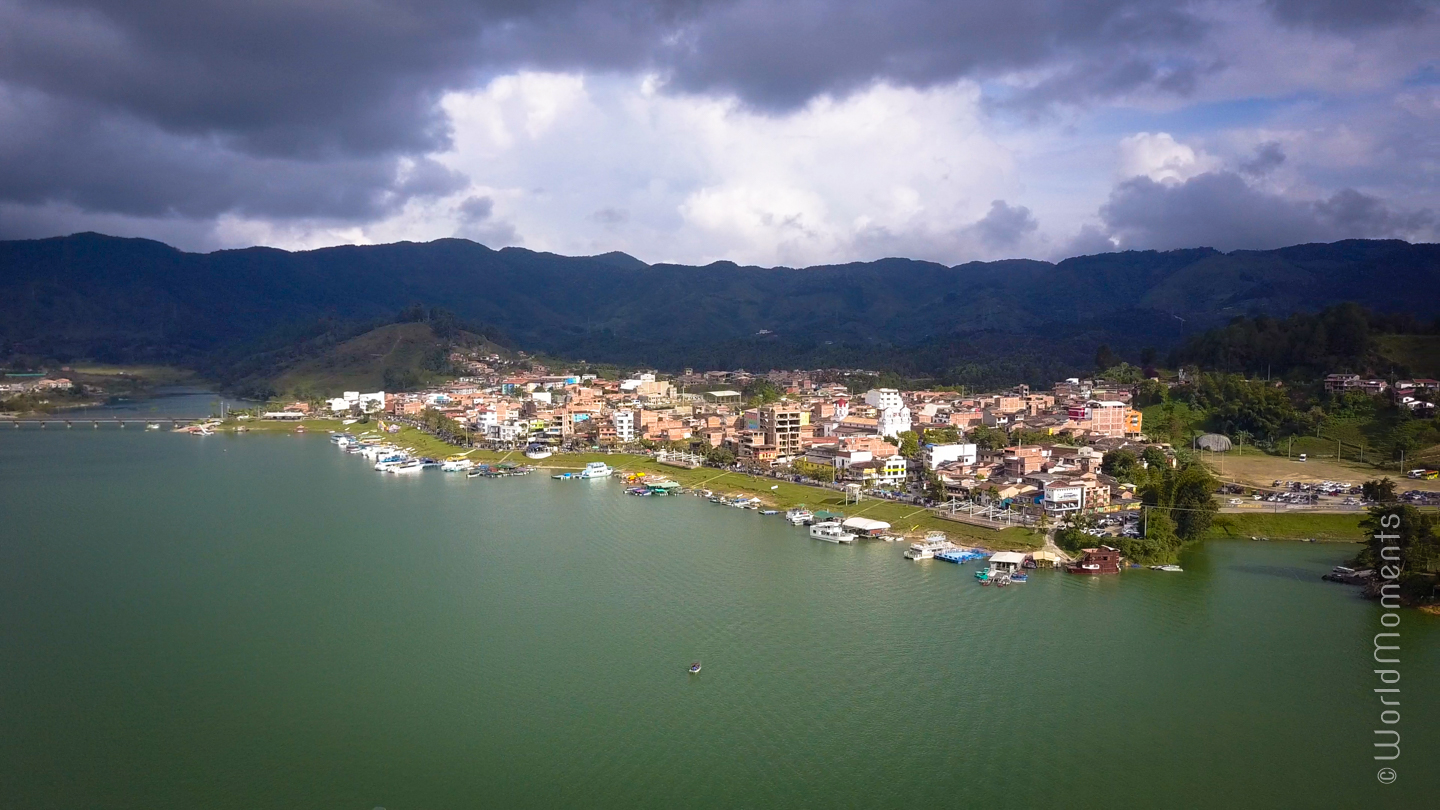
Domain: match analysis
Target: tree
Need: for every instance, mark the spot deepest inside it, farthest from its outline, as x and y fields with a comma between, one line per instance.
x=1155, y=459
x=1187, y=494
x=1076, y=534
x=909, y=444
x=1104, y=358
x=1405, y=541
x=1381, y=491
x=1121, y=465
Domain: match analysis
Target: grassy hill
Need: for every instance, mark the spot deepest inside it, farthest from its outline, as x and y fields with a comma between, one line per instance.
x=393, y=357
x=1419, y=353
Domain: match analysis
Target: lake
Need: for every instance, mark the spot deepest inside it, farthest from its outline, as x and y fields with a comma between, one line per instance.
x=262, y=621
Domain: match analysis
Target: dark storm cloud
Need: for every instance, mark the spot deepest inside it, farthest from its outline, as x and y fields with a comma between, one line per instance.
x=319, y=108
x=1221, y=210
x=1005, y=225
x=1348, y=14
x=1268, y=157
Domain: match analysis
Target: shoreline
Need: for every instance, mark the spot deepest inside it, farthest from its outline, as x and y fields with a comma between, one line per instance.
x=906, y=519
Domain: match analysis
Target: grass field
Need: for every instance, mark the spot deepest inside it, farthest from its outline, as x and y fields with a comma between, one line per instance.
x=1256, y=469
x=1289, y=526
x=1419, y=353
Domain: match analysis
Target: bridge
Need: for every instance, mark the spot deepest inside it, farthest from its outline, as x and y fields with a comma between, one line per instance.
x=45, y=422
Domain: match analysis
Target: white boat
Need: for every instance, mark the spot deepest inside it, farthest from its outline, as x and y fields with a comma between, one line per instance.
x=457, y=465
x=385, y=463
x=799, y=515
x=597, y=469
x=927, y=549
x=537, y=452
x=153, y=426
x=407, y=468
x=831, y=532
x=1172, y=568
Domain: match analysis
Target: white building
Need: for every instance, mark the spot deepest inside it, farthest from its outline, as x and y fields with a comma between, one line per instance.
x=937, y=454
x=1064, y=496
x=370, y=403
x=624, y=426
x=894, y=416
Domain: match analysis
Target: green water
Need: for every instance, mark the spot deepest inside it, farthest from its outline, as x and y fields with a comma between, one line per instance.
x=261, y=621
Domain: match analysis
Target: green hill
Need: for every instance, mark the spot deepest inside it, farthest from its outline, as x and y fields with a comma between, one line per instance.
x=404, y=355
x=1419, y=353
x=101, y=298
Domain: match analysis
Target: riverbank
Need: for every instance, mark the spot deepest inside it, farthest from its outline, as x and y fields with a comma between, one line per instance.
x=903, y=518
x=906, y=518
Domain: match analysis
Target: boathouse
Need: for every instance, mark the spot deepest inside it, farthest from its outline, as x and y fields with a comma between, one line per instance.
x=1007, y=562
x=865, y=527
x=1102, y=560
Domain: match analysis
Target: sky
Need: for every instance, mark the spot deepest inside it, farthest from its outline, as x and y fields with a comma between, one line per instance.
x=771, y=132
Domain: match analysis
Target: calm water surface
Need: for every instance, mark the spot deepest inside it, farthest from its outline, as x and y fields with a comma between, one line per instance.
x=261, y=621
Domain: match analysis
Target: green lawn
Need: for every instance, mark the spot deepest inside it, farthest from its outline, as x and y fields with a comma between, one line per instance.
x=1289, y=526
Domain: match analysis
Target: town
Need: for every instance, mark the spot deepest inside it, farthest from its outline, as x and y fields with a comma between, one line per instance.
x=1013, y=457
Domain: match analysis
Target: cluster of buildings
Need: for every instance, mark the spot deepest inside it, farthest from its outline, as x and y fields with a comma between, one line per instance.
x=1418, y=394
x=818, y=427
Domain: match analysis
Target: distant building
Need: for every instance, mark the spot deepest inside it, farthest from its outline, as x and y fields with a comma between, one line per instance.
x=937, y=454
x=894, y=416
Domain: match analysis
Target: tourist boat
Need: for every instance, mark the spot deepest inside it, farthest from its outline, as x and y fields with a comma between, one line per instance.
x=799, y=515
x=927, y=549
x=1172, y=568
x=407, y=468
x=769, y=511
x=384, y=463
x=537, y=452
x=596, y=469
x=831, y=532
x=695, y=667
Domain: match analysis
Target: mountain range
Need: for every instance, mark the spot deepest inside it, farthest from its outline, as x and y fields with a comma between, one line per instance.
x=135, y=300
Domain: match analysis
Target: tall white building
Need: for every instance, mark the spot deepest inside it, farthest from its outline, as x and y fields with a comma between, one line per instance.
x=624, y=426
x=894, y=415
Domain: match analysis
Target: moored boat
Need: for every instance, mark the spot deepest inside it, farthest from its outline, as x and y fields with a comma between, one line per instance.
x=597, y=469
x=831, y=532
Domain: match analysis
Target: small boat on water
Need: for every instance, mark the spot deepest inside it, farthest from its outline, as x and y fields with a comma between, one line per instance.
x=769, y=511
x=1171, y=568
x=474, y=473
x=410, y=467
x=1019, y=577
x=695, y=667
x=153, y=426
x=799, y=515
x=597, y=469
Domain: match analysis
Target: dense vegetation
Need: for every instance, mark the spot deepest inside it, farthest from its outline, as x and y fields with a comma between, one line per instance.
x=1179, y=505
x=1342, y=338
x=1414, y=539
x=976, y=324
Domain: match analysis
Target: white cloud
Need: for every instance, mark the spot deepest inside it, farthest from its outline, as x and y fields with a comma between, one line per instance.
x=886, y=170
x=1161, y=158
